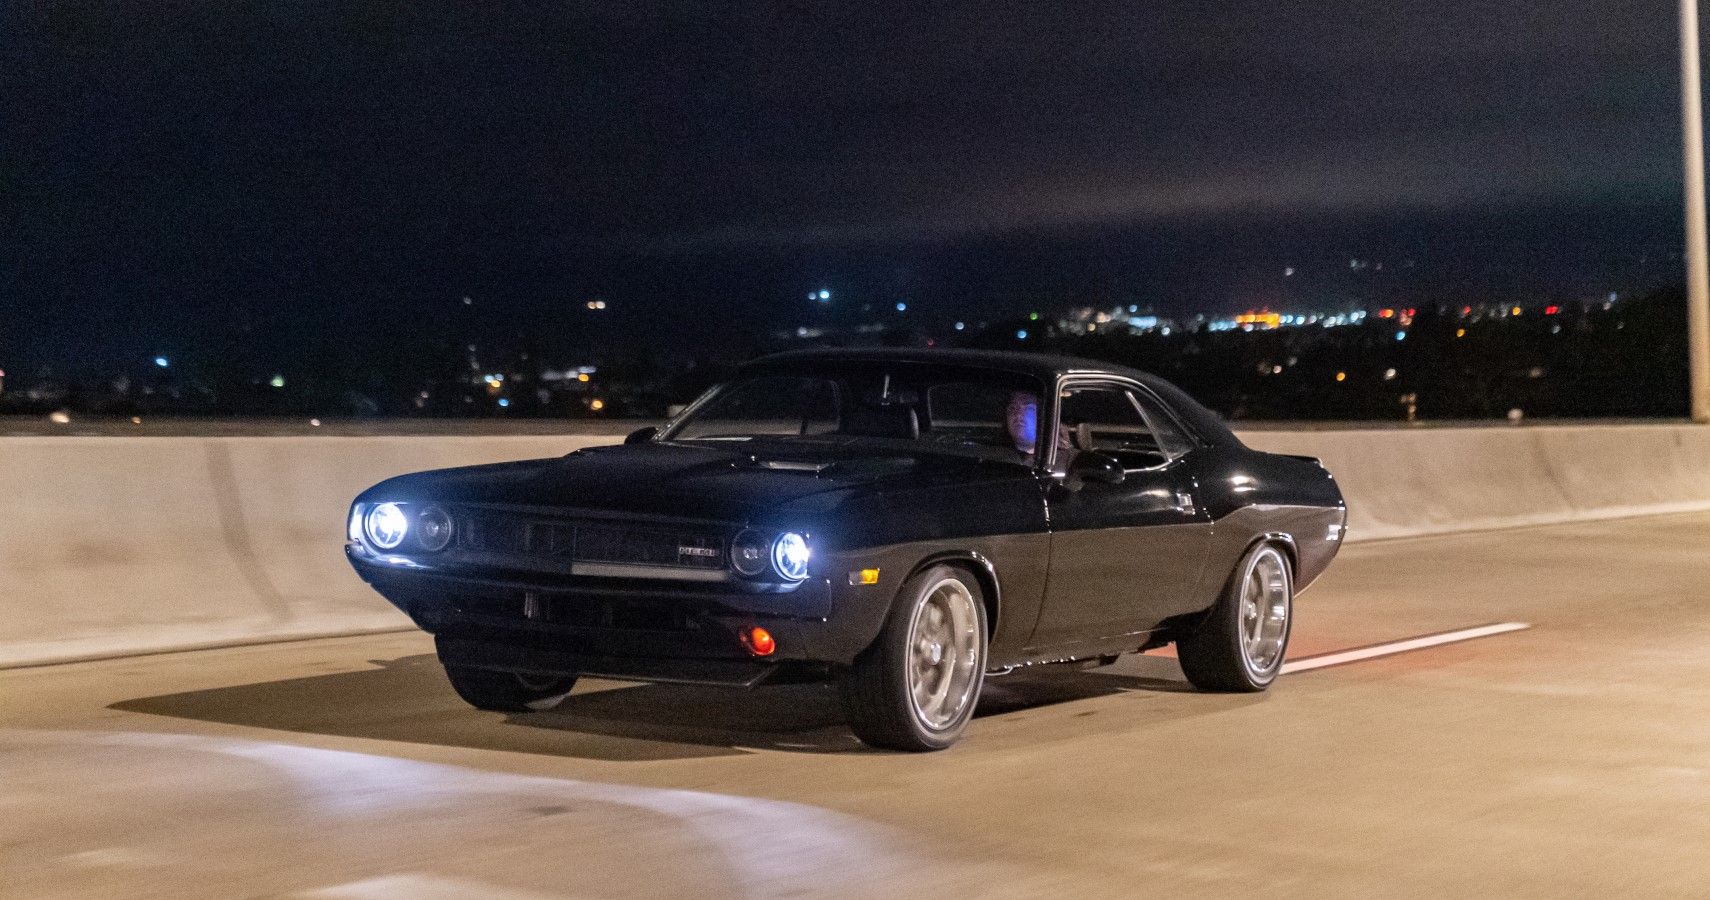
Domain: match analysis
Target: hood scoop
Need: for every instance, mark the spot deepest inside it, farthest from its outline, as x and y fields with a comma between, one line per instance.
x=793, y=465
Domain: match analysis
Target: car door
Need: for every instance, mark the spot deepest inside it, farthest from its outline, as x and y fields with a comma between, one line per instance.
x=1123, y=556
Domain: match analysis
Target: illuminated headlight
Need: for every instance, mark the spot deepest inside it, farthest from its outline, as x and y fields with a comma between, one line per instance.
x=749, y=553
x=790, y=556
x=433, y=528
x=385, y=526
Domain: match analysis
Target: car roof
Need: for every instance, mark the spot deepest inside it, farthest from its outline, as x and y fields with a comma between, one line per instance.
x=1036, y=364
x=1042, y=366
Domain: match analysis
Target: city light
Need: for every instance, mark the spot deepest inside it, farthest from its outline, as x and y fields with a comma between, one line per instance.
x=596, y=304
x=1021, y=334
x=504, y=402
x=162, y=362
x=277, y=381
x=902, y=307
x=1341, y=376
x=1265, y=320
x=959, y=326
x=596, y=404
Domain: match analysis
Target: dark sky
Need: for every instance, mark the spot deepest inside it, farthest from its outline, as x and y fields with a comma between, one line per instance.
x=211, y=174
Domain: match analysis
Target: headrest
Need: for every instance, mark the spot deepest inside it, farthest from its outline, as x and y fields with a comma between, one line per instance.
x=890, y=421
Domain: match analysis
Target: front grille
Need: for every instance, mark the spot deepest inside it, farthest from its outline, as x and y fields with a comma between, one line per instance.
x=590, y=541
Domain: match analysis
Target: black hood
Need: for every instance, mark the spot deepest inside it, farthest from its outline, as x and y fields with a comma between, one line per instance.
x=739, y=482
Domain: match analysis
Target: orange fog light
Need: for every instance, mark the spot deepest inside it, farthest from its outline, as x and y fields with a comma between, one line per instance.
x=760, y=641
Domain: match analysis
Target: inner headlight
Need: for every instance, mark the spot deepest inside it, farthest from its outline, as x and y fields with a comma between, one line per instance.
x=433, y=528
x=386, y=525
x=790, y=556
x=749, y=553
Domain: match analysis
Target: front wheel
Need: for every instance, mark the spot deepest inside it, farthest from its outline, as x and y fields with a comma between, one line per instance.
x=1239, y=646
x=915, y=689
x=508, y=691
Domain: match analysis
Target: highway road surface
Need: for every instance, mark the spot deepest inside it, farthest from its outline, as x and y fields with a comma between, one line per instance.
x=1569, y=757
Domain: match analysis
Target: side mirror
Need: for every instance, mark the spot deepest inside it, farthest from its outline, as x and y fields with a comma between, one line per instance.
x=1091, y=465
x=641, y=435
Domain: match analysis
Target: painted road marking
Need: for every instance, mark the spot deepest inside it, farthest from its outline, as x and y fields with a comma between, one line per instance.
x=1390, y=648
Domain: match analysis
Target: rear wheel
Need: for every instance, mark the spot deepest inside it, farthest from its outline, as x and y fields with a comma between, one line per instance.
x=509, y=691
x=915, y=689
x=1239, y=646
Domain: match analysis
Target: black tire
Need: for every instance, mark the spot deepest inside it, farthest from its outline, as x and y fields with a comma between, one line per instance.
x=877, y=694
x=508, y=691
x=1214, y=655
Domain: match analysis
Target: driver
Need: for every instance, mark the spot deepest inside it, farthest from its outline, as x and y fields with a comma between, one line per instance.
x=1022, y=418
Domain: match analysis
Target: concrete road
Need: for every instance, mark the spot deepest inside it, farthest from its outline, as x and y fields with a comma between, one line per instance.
x=1569, y=759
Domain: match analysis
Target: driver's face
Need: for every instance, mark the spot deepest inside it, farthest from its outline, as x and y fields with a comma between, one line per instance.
x=1023, y=420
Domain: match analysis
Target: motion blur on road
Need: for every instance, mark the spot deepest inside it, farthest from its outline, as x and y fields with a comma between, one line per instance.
x=1568, y=758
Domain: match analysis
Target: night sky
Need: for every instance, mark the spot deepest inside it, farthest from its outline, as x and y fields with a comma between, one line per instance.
x=269, y=177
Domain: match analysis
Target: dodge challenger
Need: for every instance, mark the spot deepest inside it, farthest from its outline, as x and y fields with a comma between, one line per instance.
x=904, y=523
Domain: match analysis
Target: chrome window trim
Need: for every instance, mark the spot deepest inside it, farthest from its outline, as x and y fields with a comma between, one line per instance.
x=1091, y=379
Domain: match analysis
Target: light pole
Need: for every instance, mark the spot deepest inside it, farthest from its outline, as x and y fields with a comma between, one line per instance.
x=1697, y=253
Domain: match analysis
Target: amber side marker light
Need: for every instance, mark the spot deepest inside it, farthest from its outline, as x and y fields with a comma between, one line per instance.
x=759, y=641
x=864, y=576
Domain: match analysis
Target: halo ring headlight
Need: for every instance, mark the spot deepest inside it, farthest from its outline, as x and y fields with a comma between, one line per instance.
x=433, y=528
x=386, y=525
x=790, y=556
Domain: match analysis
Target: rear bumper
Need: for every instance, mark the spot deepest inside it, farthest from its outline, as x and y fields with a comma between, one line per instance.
x=644, y=631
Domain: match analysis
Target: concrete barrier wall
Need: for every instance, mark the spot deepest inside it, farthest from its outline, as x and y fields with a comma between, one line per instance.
x=125, y=544
x=1405, y=482
x=122, y=545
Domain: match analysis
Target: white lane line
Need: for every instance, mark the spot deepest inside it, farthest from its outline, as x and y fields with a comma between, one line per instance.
x=1393, y=647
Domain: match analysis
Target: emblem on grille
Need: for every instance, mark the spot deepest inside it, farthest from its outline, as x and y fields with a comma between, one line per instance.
x=684, y=550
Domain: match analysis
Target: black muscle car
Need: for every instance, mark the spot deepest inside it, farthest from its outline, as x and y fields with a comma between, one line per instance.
x=905, y=522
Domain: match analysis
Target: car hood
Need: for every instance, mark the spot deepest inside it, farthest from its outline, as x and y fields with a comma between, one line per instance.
x=737, y=483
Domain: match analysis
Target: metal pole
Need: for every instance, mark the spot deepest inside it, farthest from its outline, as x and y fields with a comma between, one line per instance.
x=1697, y=252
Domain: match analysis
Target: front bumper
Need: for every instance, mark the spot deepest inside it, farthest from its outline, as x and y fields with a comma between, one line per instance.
x=626, y=628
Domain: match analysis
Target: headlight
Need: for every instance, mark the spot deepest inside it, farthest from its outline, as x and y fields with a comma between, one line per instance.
x=790, y=556
x=749, y=552
x=433, y=528
x=386, y=525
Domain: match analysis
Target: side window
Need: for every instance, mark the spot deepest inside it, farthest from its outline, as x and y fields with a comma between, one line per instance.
x=1120, y=423
x=1171, y=438
x=1107, y=418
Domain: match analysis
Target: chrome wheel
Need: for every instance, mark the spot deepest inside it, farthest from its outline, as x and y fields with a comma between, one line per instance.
x=1266, y=595
x=944, y=645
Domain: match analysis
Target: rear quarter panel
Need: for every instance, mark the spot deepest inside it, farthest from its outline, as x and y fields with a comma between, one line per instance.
x=1251, y=495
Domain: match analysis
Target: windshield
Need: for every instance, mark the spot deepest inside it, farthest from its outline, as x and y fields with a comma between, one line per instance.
x=960, y=410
